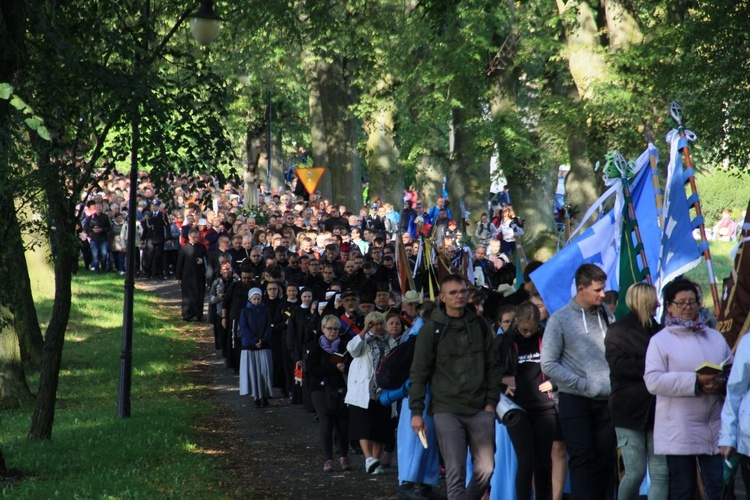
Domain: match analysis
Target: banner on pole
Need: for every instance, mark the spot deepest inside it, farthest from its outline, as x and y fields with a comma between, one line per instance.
x=310, y=177
x=735, y=303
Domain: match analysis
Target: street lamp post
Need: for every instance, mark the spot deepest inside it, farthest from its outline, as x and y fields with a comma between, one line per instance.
x=204, y=25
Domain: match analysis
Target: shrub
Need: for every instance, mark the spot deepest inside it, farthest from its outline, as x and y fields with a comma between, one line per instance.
x=720, y=189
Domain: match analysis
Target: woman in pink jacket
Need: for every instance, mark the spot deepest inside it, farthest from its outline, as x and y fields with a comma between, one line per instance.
x=688, y=404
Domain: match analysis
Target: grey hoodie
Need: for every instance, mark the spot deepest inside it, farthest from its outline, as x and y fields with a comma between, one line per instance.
x=573, y=351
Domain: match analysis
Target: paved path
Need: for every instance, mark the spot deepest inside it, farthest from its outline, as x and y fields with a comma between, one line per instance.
x=267, y=452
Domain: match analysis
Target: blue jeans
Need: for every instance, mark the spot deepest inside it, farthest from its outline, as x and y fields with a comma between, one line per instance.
x=683, y=483
x=635, y=446
x=455, y=433
x=590, y=439
x=99, y=255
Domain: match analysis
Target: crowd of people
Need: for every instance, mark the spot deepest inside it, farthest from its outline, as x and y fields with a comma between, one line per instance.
x=306, y=300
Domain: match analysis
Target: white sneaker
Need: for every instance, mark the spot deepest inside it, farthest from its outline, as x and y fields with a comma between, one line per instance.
x=378, y=470
x=371, y=464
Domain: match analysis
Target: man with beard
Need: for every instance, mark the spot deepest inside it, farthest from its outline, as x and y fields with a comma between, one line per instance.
x=235, y=300
x=191, y=276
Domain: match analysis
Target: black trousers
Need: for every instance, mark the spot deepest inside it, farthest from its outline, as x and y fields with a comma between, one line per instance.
x=532, y=439
x=153, y=259
x=590, y=439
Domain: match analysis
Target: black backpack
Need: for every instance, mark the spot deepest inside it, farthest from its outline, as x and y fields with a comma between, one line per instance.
x=393, y=370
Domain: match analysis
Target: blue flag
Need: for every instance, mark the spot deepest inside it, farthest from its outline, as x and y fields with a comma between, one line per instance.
x=600, y=243
x=679, y=251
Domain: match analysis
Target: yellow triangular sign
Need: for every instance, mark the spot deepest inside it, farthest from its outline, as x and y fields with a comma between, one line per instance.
x=310, y=177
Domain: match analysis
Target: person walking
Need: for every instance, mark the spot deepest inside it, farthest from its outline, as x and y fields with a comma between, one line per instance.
x=191, y=276
x=256, y=366
x=456, y=354
x=326, y=364
x=573, y=356
x=631, y=405
x=688, y=403
x=370, y=422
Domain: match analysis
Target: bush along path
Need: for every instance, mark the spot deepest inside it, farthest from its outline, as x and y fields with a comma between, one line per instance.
x=270, y=452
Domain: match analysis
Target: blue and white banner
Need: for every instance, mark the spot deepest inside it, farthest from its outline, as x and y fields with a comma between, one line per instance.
x=600, y=243
x=679, y=250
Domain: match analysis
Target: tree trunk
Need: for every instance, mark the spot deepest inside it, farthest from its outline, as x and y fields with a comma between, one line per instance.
x=14, y=391
x=587, y=67
x=384, y=172
x=466, y=181
x=62, y=237
x=623, y=29
x=532, y=195
x=24, y=310
x=319, y=146
x=429, y=181
x=340, y=134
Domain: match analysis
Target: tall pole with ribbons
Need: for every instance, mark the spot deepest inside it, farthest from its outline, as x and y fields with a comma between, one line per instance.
x=683, y=146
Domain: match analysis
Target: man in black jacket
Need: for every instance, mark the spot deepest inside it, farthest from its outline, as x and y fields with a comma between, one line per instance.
x=97, y=226
x=155, y=224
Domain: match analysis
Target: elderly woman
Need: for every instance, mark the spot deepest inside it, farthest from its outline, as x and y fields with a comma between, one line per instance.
x=688, y=403
x=631, y=405
x=370, y=421
x=326, y=365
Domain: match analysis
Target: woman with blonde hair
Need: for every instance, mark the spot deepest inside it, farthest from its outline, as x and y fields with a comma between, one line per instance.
x=631, y=405
x=508, y=230
x=369, y=422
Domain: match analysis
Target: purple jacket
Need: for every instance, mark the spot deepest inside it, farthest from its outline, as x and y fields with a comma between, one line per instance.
x=687, y=422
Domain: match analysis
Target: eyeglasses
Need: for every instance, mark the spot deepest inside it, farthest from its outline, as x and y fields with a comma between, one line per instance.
x=686, y=303
x=333, y=328
x=458, y=292
x=528, y=332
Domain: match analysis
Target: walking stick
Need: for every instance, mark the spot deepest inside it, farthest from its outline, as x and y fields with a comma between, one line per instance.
x=676, y=112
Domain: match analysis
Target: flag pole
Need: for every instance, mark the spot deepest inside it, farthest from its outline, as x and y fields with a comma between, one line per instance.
x=621, y=165
x=655, y=176
x=676, y=111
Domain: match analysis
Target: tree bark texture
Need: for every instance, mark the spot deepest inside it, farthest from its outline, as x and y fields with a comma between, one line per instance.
x=64, y=239
x=466, y=181
x=317, y=124
x=339, y=130
x=384, y=172
x=24, y=310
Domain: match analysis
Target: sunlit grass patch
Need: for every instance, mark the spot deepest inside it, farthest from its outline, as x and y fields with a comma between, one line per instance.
x=94, y=454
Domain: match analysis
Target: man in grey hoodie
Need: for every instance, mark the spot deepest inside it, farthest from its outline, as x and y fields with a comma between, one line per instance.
x=573, y=356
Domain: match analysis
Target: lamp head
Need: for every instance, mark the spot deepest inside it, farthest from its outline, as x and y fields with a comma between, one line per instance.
x=204, y=23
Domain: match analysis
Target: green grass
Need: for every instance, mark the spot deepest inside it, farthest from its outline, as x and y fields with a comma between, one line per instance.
x=93, y=454
x=722, y=268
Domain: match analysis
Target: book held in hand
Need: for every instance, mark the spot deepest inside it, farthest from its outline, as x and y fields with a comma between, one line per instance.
x=337, y=357
x=708, y=368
